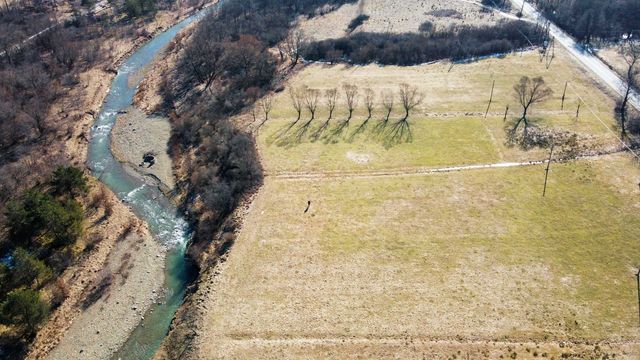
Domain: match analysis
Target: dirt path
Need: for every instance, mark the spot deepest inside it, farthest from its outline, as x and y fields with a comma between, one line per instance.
x=417, y=171
x=411, y=347
x=397, y=172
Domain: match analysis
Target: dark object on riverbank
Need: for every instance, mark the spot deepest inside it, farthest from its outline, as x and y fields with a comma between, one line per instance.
x=308, y=206
x=148, y=158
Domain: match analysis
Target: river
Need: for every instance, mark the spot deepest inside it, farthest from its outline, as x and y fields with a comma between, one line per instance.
x=166, y=224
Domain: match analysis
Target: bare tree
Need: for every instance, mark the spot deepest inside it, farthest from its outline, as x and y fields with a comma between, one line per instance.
x=205, y=60
x=351, y=93
x=64, y=49
x=369, y=101
x=311, y=97
x=331, y=97
x=410, y=97
x=529, y=92
x=296, y=101
x=388, y=100
x=294, y=44
x=266, y=105
x=631, y=52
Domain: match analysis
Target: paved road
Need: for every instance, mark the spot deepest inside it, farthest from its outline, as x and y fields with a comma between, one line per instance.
x=588, y=60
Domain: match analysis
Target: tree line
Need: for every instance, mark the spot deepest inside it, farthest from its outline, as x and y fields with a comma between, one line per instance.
x=454, y=42
x=224, y=68
x=302, y=98
x=589, y=20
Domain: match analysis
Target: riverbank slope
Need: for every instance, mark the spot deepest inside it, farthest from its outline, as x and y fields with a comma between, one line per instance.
x=135, y=261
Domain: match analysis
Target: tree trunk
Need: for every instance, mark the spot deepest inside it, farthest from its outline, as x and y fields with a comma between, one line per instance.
x=623, y=112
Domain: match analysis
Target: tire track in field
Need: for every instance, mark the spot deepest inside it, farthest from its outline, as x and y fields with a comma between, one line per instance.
x=418, y=171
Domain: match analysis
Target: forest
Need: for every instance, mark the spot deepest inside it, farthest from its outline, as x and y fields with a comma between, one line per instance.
x=589, y=20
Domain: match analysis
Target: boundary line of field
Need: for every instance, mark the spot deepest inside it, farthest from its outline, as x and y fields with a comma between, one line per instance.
x=415, y=340
x=423, y=171
x=399, y=172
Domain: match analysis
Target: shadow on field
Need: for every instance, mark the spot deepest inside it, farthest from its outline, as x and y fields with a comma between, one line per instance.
x=387, y=132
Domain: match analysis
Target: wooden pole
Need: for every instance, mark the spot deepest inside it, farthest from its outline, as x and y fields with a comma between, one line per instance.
x=578, y=111
x=564, y=93
x=505, y=114
x=522, y=9
x=638, y=283
x=490, y=98
x=546, y=174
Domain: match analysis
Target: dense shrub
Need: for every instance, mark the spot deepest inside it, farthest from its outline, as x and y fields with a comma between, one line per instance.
x=39, y=216
x=427, y=27
x=28, y=271
x=410, y=48
x=356, y=22
x=135, y=8
x=24, y=307
x=498, y=4
x=69, y=180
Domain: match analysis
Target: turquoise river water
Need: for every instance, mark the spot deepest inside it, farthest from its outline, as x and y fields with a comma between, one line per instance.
x=167, y=225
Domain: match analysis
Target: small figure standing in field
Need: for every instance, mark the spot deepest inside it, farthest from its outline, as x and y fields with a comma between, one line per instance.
x=308, y=206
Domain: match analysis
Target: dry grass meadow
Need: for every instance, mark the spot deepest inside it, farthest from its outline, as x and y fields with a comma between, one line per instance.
x=397, y=16
x=448, y=128
x=391, y=262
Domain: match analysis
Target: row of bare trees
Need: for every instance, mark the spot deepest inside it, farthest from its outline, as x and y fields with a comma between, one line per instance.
x=310, y=99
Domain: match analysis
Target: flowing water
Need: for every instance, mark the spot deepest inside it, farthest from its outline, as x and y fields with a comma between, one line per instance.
x=165, y=222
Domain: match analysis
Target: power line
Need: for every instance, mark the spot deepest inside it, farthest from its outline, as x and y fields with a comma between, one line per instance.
x=603, y=123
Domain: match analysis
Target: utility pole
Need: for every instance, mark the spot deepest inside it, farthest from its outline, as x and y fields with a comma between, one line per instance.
x=546, y=172
x=522, y=9
x=563, y=94
x=638, y=282
x=490, y=99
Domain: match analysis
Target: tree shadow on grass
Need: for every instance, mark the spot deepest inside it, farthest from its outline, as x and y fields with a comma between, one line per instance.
x=399, y=132
x=302, y=130
x=335, y=135
x=359, y=130
x=318, y=133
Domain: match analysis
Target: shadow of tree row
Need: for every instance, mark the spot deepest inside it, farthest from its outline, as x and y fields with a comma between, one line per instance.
x=386, y=131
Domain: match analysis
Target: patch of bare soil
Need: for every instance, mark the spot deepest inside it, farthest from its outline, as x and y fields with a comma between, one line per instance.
x=397, y=16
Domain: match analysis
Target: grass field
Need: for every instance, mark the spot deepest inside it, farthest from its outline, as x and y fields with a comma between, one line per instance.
x=478, y=255
x=448, y=128
x=389, y=262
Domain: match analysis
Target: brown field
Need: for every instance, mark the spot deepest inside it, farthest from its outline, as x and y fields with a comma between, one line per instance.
x=394, y=261
x=398, y=16
x=476, y=256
